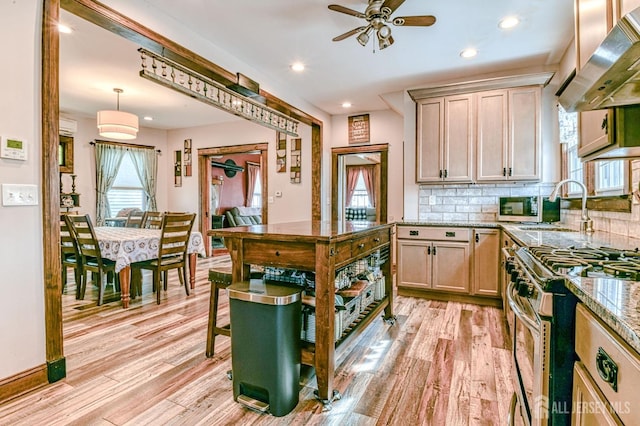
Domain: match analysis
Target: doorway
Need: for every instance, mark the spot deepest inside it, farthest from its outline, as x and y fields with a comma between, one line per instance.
x=213, y=183
x=358, y=159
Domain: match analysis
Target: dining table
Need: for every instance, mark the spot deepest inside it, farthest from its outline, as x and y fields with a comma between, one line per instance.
x=129, y=245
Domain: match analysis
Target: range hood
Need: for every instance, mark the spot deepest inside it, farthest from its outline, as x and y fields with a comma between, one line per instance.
x=611, y=77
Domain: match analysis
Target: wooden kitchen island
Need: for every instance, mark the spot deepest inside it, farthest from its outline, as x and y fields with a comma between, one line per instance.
x=321, y=247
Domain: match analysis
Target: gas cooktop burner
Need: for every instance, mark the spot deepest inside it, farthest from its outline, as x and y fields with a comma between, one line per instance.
x=590, y=262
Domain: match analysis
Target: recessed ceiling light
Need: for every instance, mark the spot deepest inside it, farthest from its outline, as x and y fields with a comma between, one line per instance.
x=346, y=105
x=297, y=66
x=508, y=22
x=64, y=29
x=148, y=118
x=469, y=52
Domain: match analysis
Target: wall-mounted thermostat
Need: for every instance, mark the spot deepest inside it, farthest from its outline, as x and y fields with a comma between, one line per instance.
x=14, y=149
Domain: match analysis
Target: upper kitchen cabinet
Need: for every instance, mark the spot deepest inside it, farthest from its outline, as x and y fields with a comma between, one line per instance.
x=509, y=135
x=444, y=145
x=593, y=21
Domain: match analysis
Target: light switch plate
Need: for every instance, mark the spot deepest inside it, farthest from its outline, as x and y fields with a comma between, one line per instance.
x=14, y=194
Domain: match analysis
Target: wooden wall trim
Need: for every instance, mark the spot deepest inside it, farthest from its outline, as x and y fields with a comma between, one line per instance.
x=23, y=382
x=316, y=171
x=51, y=184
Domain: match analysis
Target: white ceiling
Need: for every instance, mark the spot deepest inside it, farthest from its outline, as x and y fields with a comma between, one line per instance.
x=269, y=35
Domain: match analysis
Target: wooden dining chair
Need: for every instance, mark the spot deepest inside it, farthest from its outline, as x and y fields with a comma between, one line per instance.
x=135, y=219
x=172, y=252
x=152, y=220
x=70, y=256
x=92, y=260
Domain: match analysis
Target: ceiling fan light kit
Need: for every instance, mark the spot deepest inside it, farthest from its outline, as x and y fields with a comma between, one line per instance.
x=116, y=124
x=378, y=15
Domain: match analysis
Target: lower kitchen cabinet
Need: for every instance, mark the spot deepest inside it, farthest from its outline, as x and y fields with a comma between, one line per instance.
x=434, y=265
x=590, y=408
x=463, y=263
x=486, y=262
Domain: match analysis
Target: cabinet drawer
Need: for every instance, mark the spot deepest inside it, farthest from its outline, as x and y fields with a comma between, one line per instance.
x=290, y=255
x=368, y=242
x=342, y=251
x=595, y=343
x=434, y=233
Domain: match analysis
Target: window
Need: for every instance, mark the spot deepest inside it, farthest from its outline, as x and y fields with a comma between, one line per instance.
x=569, y=136
x=127, y=190
x=256, y=199
x=360, y=196
x=609, y=177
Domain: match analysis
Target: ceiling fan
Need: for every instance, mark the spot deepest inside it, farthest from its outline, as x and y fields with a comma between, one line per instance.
x=378, y=15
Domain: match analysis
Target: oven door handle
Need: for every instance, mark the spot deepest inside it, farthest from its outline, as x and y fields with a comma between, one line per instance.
x=519, y=312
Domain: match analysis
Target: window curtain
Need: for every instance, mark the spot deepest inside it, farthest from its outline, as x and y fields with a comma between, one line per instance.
x=352, y=180
x=252, y=175
x=369, y=178
x=145, y=161
x=108, y=159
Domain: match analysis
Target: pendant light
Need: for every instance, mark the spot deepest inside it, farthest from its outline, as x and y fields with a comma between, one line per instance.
x=117, y=124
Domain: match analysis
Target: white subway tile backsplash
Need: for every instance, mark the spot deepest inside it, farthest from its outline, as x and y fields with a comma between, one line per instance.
x=468, y=208
x=469, y=191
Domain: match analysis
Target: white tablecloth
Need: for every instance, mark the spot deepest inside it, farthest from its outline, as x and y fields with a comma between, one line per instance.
x=128, y=245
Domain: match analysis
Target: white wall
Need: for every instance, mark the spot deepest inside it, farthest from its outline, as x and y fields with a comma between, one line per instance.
x=84, y=164
x=22, y=339
x=385, y=127
x=295, y=203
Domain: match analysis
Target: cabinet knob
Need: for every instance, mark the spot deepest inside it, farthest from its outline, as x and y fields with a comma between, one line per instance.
x=277, y=253
x=434, y=251
x=510, y=172
x=504, y=171
x=440, y=172
x=445, y=173
x=376, y=240
x=477, y=238
x=361, y=245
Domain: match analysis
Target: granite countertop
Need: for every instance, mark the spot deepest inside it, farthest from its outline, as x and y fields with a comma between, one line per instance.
x=615, y=301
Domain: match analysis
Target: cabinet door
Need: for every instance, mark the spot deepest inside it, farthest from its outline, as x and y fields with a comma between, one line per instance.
x=450, y=265
x=414, y=264
x=458, y=138
x=492, y=135
x=524, y=134
x=594, y=19
x=626, y=6
x=589, y=405
x=486, y=262
x=430, y=134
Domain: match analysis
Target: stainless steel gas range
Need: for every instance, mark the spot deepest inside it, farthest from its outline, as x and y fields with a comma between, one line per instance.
x=543, y=321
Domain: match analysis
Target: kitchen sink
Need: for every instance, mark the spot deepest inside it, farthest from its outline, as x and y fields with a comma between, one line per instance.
x=545, y=228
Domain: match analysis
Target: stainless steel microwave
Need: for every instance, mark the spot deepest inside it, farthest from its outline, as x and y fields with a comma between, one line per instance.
x=528, y=209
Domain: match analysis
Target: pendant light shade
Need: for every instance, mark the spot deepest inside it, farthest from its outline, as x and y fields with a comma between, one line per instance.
x=117, y=124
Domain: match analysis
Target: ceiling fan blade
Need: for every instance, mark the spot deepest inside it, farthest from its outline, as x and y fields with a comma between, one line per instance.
x=414, y=21
x=392, y=4
x=342, y=9
x=349, y=33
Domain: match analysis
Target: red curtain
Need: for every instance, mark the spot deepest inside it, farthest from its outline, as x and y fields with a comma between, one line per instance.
x=369, y=177
x=252, y=175
x=352, y=180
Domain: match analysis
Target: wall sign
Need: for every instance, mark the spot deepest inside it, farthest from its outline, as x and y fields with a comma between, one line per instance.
x=177, y=168
x=296, y=159
x=359, y=129
x=187, y=157
x=281, y=152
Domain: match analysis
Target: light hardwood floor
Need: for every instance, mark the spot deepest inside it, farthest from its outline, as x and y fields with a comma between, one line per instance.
x=442, y=363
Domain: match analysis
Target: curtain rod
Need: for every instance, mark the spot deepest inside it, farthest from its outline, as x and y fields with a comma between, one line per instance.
x=126, y=145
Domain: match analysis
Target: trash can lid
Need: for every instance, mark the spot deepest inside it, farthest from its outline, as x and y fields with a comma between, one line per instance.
x=258, y=291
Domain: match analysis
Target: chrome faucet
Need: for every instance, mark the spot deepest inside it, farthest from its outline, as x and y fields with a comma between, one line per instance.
x=586, y=224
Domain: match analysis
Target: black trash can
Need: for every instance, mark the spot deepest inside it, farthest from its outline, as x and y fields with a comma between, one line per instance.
x=265, y=345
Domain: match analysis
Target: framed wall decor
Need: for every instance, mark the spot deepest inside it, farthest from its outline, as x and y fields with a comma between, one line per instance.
x=359, y=131
x=177, y=168
x=281, y=152
x=296, y=159
x=187, y=157
x=65, y=154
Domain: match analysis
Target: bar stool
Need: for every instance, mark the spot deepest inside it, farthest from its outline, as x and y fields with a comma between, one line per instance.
x=220, y=279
